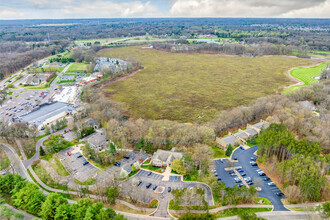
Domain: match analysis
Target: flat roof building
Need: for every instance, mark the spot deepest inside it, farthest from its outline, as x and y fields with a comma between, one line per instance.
x=47, y=114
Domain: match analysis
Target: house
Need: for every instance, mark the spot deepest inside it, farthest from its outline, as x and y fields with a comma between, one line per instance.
x=260, y=126
x=225, y=141
x=164, y=157
x=92, y=122
x=33, y=80
x=307, y=105
x=98, y=140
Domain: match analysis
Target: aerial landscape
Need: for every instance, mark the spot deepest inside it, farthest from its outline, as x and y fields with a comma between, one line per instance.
x=183, y=109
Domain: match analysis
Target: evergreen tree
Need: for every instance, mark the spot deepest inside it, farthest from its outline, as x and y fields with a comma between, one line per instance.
x=42, y=151
x=229, y=150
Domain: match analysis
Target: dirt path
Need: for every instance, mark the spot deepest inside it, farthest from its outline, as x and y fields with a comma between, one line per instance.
x=120, y=78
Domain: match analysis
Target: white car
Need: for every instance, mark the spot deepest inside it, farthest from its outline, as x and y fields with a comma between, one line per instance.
x=271, y=184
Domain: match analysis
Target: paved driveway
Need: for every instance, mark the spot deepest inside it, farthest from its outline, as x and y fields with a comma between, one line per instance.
x=243, y=160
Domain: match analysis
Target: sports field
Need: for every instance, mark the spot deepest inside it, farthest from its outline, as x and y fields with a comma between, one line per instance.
x=306, y=75
x=194, y=87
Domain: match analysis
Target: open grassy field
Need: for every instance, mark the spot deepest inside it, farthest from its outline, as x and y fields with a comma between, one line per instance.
x=194, y=87
x=306, y=75
x=77, y=68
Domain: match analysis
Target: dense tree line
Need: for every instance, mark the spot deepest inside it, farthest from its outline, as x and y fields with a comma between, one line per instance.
x=298, y=162
x=27, y=196
x=278, y=31
x=255, y=49
x=12, y=62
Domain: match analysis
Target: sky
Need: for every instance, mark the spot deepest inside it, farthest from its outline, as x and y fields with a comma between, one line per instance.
x=57, y=9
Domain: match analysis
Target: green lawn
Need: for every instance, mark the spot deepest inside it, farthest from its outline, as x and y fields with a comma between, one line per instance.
x=89, y=181
x=306, y=75
x=46, y=70
x=218, y=153
x=152, y=168
x=57, y=165
x=77, y=67
x=264, y=201
x=237, y=211
x=251, y=145
x=45, y=177
x=195, y=87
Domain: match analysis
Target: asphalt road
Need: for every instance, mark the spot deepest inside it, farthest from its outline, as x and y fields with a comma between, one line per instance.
x=243, y=160
x=16, y=162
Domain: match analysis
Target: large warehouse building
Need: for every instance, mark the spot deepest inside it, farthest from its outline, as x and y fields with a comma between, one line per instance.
x=47, y=114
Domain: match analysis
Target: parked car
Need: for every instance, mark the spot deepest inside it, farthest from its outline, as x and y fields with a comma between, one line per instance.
x=242, y=148
x=279, y=194
x=149, y=173
x=261, y=173
x=215, y=173
x=234, y=158
x=233, y=174
x=259, y=170
x=148, y=185
x=237, y=180
x=155, y=187
x=231, y=171
x=85, y=163
x=266, y=179
x=79, y=155
x=126, y=157
x=250, y=183
x=169, y=189
x=271, y=184
x=117, y=164
x=240, y=185
x=253, y=158
x=248, y=179
x=243, y=174
x=253, y=163
x=139, y=183
x=219, y=179
x=68, y=153
x=240, y=170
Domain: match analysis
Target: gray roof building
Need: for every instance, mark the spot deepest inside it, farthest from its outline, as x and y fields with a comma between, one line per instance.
x=251, y=132
x=47, y=113
x=241, y=135
x=164, y=157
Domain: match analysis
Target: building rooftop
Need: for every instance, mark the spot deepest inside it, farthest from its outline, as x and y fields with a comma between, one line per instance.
x=45, y=112
x=261, y=124
x=167, y=156
x=251, y=131
x=230, y=139
x=242, y=135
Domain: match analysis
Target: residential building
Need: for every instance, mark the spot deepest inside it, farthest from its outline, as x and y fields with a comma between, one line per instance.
x=225, y=141
x=98, y=140
x=260, y=126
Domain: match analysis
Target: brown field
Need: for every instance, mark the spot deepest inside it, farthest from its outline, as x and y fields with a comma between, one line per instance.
x=194, y=87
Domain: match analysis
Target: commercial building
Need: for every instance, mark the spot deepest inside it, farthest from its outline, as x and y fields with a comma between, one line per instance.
x=47, y=114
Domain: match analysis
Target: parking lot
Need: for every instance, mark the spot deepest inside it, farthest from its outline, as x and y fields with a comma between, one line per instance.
x=155, y=179
x=74, y=164
x=124, y=163
x=244, y=157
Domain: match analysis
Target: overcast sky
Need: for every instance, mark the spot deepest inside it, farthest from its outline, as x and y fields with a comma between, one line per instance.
x=53, y=9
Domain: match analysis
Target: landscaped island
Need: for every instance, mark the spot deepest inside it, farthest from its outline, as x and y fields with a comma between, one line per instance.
x=194, y=87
